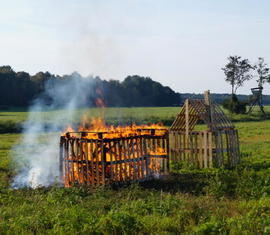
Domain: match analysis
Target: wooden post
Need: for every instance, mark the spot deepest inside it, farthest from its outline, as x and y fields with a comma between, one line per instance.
x=210, y=139
x=205, y=148
x=71, y=157
x=207, y=101
x=111, y=165
x=124, y=154
x=103, y=161
x=97, y=161
x=187, y=119
x=87, y=162
x=201, y=151
x=196, y=150
x=91, y=157
x=134, y=164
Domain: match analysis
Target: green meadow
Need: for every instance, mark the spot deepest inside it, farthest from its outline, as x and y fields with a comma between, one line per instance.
x=209, y=201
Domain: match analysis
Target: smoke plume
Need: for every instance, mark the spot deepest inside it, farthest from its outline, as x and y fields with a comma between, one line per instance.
x=36, y=157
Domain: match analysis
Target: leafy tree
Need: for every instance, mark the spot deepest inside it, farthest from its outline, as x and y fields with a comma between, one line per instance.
x=237, y=71
x=262, y=71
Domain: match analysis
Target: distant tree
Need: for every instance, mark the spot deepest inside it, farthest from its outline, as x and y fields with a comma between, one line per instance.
x=40, y=79
x=6, y=69
x=262, y=72
x=237, y=71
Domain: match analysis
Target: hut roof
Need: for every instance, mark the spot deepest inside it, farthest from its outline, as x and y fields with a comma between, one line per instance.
x=201, y=109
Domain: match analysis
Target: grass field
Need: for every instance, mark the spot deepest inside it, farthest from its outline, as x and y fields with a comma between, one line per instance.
x=10, y=121
x=213, y=201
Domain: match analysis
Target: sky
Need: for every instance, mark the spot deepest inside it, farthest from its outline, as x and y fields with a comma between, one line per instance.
x=180, y=43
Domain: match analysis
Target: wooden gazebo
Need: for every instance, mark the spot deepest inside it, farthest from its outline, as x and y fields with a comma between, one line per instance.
x=216, y=146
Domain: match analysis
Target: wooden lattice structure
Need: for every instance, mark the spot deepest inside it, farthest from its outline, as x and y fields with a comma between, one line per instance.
x=102, y=161
x=216, y=146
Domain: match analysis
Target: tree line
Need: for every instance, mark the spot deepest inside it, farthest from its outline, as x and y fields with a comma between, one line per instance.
x=20, y=89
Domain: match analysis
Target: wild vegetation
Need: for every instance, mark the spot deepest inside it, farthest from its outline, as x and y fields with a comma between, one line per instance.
x=212, y=201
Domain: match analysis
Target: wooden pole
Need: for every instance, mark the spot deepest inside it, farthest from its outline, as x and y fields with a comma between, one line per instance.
x=187, y=118
x=207, y=101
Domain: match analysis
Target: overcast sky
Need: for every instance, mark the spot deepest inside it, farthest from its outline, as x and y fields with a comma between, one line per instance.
x=182, y=44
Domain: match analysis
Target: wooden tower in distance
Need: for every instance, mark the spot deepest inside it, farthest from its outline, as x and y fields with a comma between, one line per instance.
x=256, y=99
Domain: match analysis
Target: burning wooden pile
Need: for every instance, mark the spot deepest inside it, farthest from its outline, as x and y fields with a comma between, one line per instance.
x=100, y=155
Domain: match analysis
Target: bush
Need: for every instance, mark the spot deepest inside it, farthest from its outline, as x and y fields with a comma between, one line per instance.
x=9, y=127
x=117, y=222
x=234, y=105
x=223, y=183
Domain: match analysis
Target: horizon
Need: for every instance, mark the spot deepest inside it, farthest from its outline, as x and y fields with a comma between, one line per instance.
x=180, y=44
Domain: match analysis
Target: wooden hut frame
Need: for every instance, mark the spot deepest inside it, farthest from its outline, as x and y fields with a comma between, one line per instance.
x=215, y=147
x=101, y=161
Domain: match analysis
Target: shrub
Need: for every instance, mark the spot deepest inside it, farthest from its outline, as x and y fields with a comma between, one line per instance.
x=223, y=183
x=9, y=127
x=234, y=105
x=119, y=222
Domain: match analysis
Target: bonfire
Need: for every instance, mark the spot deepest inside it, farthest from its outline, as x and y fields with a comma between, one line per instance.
x=99, y=154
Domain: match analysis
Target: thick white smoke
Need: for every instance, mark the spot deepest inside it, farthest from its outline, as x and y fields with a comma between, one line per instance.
x=37, y=154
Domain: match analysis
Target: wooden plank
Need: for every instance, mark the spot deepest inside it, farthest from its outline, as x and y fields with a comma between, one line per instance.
x=86, y=151
x=125, y=159
x=103, y=162
x=91, y=149
x=217, y=149
x=167, y=148
x=237, y=157
x=191, y=147
x=228, y=148
x=210, y=139
x=81, y=168
x=129, y=157
x=116, y=158
x=201, y=150
x=67, y=165
x=205, y=148
x=96, y=157
x=222, y=149
x=133, y=158
x=119, y=154
x=155, y=161
x=187, y=118
x=111, y=165
x=72, y=164
x=145, y=153
x=143, y=170
x=177, y=146
x=196, y=162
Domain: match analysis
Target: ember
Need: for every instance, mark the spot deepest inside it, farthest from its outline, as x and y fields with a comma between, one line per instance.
x=100, y=154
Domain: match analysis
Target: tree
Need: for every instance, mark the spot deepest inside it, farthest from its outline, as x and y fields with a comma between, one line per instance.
x=237, y=71
x=262, y=71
